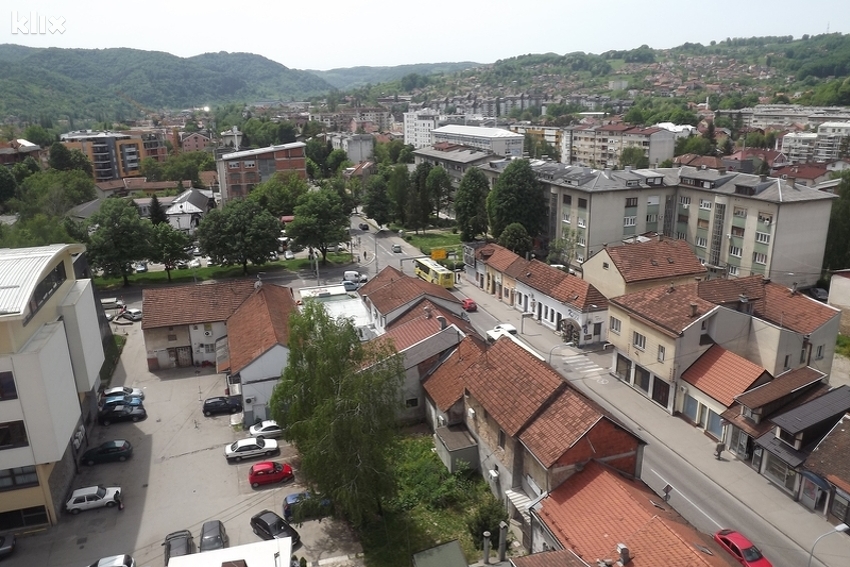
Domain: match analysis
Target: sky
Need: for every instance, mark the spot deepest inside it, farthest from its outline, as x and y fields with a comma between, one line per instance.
x=331, y=33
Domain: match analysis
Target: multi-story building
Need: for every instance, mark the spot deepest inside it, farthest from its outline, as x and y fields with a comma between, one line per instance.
x=831, y=136
x=456, y=160
x=602, y=146
x=418, y=126
x=195, y=141
x=115, y=155
x=494, y=140
x=785, y=115
x=549, y=134
x=50, y=359
x=382, y=119
x=799, y=146
x=239, y=172
x=358, y=147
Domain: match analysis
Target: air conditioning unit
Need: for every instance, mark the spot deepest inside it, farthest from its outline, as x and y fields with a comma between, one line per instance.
x=494, y=474
x=249, y=400
x=683, y=388
x=207, y=333
x=471, y=413
x=685, y=206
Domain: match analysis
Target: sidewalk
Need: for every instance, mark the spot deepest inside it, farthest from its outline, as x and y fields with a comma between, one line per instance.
x=737, y=479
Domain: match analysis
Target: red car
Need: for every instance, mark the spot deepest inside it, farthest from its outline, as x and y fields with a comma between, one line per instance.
x=269, y=472
x=469, y=305
x=741, y=549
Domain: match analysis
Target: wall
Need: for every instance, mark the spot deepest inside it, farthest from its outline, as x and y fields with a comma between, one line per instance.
x=800, y=235
x=490, y=456
x=80, y=316
x=259, y=379
x=607, y=443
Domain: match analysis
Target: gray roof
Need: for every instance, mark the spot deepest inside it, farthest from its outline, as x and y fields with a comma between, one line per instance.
x=259, y=151
x=783, y=450
x=448, y=554
x=769, y=189
x=833, y=404
x=592, y=180
x=456, y=155
x=20, y=271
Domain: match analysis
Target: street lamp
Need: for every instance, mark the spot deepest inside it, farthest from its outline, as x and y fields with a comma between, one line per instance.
x=835, y=529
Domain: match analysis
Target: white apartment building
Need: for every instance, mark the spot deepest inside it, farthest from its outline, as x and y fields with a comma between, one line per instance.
x=358, y=147
x=799, y=146
x=50, y=359
x=418, y=126
x=785, y=115
x=830, y=137
x=495, y=140
x=602, y=146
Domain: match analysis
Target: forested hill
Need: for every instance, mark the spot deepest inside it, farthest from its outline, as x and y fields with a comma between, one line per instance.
x=354, y=77
x=82, y=83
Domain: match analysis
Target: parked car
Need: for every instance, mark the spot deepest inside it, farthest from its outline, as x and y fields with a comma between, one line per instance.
x=273, y=257
x=267, y=428
x=397, y=248
x=363, y=226
x=222, y=404
x=819, y=293
x=269, y=472
x=132, y=314
x=125, y=390
x=196, y=251
x=112, y=414
x=181, y=265
x=120, y=399
x=178, y=543
x=741, y=548
x=7, y=545
x=354, y=276
x=92, y=497
x=306, y=505
x=213, y=536
x=250, y=447
x=109, y=451
x=140, y=267
x=350, y=286
x=469, y=305
x=194, y=263
x=269, y=525
x=288, y=255
x=115, y=561
x=505, y=328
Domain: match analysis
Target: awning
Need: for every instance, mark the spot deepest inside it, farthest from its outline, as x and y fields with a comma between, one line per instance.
x=816, y=479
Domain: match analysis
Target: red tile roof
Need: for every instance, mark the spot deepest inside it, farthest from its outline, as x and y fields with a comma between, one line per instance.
x=656, y=259
x=511, y=384
x=497, y=257
x=802, y=171
x=668, y=309
x=560, y=558
x=781, y=386
x=391, y=289
x=411, y=332
x=193, y=304
x=260, y=323
x=722, y=374
x=560, y=285
x=417, y=309
x=445, y=386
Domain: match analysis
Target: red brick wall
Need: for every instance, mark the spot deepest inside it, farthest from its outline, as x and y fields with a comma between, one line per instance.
x=605, y=439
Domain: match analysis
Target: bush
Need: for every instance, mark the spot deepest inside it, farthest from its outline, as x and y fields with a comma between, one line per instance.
x=486, y=518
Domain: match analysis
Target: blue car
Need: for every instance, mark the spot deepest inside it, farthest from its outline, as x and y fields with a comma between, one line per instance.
x=132, y=401
x=305, y=506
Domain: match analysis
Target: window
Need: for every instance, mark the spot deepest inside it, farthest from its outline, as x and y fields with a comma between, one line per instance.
x=639, y=340
x=614, y=325
x=733, y=270
x=652, y=200
x=567, y=217
x=580, y=240
x=759, y=258
x=762, y=238
x=684, y=200
x=251, y=163
x=766, y=218
x=702, y=223
x=604, y=265
x=172, y=338
x=661, y=353
x=701, y=242
x=18, y=477
x=567, y=199
x=739, y=212
x=737, y=231
x=631, y=201
x=652, y=218
x=209, y=349
x=630, y=221
x=233, y=164
x=13, y=434
x=682, y=218
x=703, y=204
x=787, y=363
x=681, y=236
x=735, y=251
x=582, y=203
x=501, y=439
x=412, y=402
x=840, y=506
x=7, y=386
x=581, y=223
x=819, y=352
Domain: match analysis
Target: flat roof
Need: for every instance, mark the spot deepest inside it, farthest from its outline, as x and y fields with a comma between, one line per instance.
x=20, y=271
x=477, y=131
x=271, y=553
x=259, y=151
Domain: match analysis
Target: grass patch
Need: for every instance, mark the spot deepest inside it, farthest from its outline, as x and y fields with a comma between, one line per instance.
x=842, y=345
x=430, y=240
x=112, y=350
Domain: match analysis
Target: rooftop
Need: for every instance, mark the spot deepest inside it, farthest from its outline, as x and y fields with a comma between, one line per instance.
x=656, y=259
x=476, y=131
x=260, y=151
x=258, y=324
x=834, y=403
x=21, y=269
x=781, y=386
x=723, y=374
x=445, y=386
x=193, y=304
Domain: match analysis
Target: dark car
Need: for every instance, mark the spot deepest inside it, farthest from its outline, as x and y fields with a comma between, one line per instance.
x=305, y=506
x=121, y=400
x=269, y=525
x=819, y=293
x=7, y=545
x=115, y=450
x=113, y=414
x=213, y=536
x=741, y=549
x=178, y=543
x=222, y=404
x=364, y=226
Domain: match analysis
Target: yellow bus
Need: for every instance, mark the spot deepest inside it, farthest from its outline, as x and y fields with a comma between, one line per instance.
x=431, y=271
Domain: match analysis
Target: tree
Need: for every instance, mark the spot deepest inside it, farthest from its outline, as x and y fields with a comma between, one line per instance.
x=336, y=160
x=666, y=163
x=321, y=220
x=728, y=146
x=168, y=246
x=516, y=239
x=239, y=233
x=376, y=205
x=398, y=189
x=53, y=192
x=634, y=157
x=419, y=201
x=60, y=157
x=517, y=197
x=562, y=250
x=38, y=135
x=710, y=136
x=280, y=193
x=24, y=169
x=120, y=238
x=338, y=402
x=157, y=214
x=471, y=204
x=837, y=253
x=8, y=186
x=39, y=230
x=439, y=186
x=151, y=169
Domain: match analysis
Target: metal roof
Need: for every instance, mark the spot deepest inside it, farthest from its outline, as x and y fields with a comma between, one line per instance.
x=477, y=131
x=260, y=151
x=20, y=271
x=832, y=404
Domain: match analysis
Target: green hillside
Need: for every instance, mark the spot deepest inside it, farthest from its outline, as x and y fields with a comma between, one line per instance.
x=354, y=77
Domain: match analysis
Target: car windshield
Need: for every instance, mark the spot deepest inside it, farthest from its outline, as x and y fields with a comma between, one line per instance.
x=751, y=553
x=234, y=446
x=101, y=492
x=261, y=443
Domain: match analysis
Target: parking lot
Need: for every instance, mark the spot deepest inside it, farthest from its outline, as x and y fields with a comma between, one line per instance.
x=178, y=478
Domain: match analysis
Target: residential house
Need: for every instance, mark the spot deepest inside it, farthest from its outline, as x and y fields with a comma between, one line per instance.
x=16, y=151
x=839, y=296
x=240, y=171
x=456, y=160
x=256, y=348
x=195, y=141
x=182, y=324
x=606, y=518
x=534, y=430
x=186, y=211
x=826, y=476
x=618, y=270
x=773, y=158
x=143, y=204
x=51, y=354
x=126, y=186
x=808, y=174
x=491, y=266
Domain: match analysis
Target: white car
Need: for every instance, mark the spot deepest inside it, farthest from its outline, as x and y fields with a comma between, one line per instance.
x=123, y=391
x=195, y=263
x=288, y=255
x=133, y=314
x=505, y=328
x=250, y=447
x=115, y=561
x=92, y=497
x=268, y=428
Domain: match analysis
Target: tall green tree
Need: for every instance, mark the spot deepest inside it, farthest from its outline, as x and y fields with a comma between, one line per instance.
x=168, y=246
x=8, y=186
x=53, y=193
x=419, y=202
x=516, y=239
x=239, y=233
x=64, y=159
x=24, y=169
x=38, y=135
x=338, y=401
x=336, y=161
x=471, y=204
x=376, y=204
x=398, y=189
x=635, y=157
x=121, y=237
x=837, y=252
x=280, y=193
x=439, y=186
x=39, y=230
x=157, y=213
x=517, y=197
x=562, y=250
x=321, y=220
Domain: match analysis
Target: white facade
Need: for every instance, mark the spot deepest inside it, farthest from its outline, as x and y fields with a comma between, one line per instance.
x=418, y=126
x=831, y=135
x=496, y=140
x=259, y=379
x=799, y=146
x=358, y=147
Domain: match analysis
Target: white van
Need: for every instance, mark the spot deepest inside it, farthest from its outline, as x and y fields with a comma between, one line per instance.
x=111, y=303
x=353, y=276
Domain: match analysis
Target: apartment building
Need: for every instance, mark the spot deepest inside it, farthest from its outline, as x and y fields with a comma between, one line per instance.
x=418, y=126
x=50, y=360
x=602, y=146
x=494, y=140
x=786, y=115
x=195, y=141
x=358, y=147
x=799, y=146
x=456, y=160
x=344, y=119
x=831, y=136
x=239, y=172
x=115, y=155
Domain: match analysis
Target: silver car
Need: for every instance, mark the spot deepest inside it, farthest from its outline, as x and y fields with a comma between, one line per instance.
x=93, y=497
x=250, y=447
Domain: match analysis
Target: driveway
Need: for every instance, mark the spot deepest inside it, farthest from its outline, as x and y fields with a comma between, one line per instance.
x=177, y=479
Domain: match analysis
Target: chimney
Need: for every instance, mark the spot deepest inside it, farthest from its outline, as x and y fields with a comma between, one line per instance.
x=486, y=548
x=623, y=550
x=794, y=288
x=443, y=322
x=660, y=237
x=792, y=181
x=693, y=309
x=763, y=178
x=427, y=310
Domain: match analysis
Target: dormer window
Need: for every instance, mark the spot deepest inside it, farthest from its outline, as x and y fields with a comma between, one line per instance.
x=787, y=438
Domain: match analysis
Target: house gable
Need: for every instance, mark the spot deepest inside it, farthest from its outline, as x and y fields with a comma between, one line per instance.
x=259, y=324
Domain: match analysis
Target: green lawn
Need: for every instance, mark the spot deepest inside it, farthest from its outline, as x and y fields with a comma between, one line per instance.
x=434, y=239
x=842, y=345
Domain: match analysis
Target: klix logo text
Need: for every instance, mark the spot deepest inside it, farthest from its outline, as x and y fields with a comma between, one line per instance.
x=34, y=23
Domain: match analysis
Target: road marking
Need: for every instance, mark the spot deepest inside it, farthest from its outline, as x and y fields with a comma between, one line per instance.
x=665, y=481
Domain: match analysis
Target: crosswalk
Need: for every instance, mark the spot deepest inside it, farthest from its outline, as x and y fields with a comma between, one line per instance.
x=580, y=364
